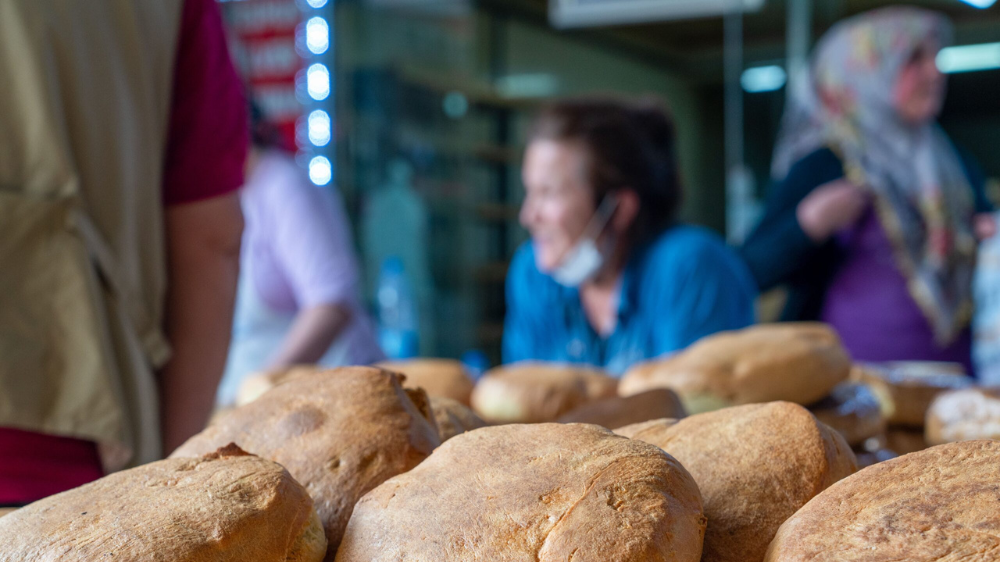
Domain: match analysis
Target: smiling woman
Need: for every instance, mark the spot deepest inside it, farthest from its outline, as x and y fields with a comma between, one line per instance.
x=609, y=277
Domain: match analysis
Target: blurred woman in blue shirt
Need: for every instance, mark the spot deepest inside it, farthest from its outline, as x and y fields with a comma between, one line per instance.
x=609, y=277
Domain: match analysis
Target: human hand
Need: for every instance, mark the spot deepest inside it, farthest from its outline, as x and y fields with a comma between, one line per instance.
x=830, y=207
x=985, y=226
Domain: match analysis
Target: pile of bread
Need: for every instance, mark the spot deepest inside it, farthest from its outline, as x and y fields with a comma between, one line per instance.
x=743, y=447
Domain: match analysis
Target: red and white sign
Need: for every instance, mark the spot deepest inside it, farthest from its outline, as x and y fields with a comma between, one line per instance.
x=262, y=35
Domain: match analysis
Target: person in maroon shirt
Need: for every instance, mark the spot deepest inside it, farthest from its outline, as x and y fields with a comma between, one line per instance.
x=206, y=150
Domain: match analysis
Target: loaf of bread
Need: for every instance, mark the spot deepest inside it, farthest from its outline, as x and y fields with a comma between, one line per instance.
x=755, y=465
x=534, y=392
x=532, y=492
x=904, y=440
x=446, y=378
x=625, y=410
x=853, y=410
x=254, y=386
x=964, y=415
x=795, y=362
x=935, y=505
x=906, y=389
x=652, y=431
x=453, y=418
x=225, y=506
x=866, y=458
x=7, y=510
x=339, y=432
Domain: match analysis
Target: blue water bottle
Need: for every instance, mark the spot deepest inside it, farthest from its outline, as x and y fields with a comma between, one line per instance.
x=397, y=312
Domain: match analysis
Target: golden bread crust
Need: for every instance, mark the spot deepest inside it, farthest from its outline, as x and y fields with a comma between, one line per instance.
x=795, y=362
x=935, y=505
x=533, y=492
x=626, y=410
x=536, y=392
x=453, y=418
x=339, y=432
x=964, y=415
x=225, y=506
x=755, y=465
x=444, y=378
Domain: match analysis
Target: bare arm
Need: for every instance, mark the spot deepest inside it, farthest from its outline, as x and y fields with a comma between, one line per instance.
x=203, y=245
x=314, y=329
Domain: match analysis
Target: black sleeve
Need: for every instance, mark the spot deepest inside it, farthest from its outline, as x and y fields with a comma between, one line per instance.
x=977, y=180
x=778, y=247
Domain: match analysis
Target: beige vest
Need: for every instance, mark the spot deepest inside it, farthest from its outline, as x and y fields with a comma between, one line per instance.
x=85, y=89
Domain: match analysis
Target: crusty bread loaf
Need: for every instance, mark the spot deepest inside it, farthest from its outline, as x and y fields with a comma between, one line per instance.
x=853, y=410
x=625, y=410
x=254, y=386
x=7, y=510
x=964, y=415
x=906, y=389
x=533, y=392
x=866, y=458
x=649, y=431
x=453, y=418
x=905, y=440
x=936, y=505
x=796, y=362
x=755, y=465
x=225, y=506
x=532, y=492
x=446, y=378
x=339, y=432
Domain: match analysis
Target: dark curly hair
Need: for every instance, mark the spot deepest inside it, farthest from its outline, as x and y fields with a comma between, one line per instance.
x=629, y=143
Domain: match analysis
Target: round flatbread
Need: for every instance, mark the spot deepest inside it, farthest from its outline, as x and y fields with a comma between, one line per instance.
x=534, y=392
x=964, y=415
x=339, y=432
x=445, y=378
x=626, y=410
x=227, y=506
x=794, y=362
x=935, y=505
x=532, y=493
x=755, y=465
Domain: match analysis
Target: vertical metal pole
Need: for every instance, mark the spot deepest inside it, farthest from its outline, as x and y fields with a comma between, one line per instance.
x=799, y=36
x=735, y=172
x=733, y=68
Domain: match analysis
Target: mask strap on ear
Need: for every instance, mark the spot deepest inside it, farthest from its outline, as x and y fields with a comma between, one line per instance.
x=602, y=217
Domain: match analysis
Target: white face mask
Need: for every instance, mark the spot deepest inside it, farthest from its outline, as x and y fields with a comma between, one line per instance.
x=585, y=259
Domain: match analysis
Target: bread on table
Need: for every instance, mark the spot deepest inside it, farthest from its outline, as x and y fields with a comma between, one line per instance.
x=651, y=431
x=906, y=389
x=964, y=415
x=227, y=506
x=532, y=492
x=935, y=505
x=339, y=432
x=755, y=465
x=255, y=385
x=905, y=440
x=868, y=458
x=794, y=362
x=853, y=410
x=453, y=418
x=446, y=378
x=619, y=411
x=534, y=392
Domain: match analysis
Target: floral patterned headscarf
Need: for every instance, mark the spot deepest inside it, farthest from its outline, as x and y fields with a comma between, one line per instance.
x=919, y=186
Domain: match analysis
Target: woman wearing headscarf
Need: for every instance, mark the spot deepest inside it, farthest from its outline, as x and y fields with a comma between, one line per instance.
x=871, y=222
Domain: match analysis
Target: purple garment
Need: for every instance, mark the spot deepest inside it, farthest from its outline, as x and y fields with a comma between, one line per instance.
x=870, y=307
x=299, y=246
